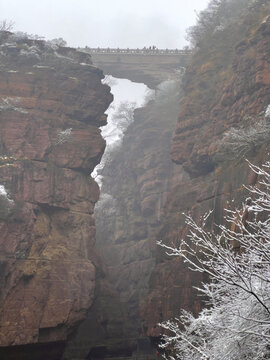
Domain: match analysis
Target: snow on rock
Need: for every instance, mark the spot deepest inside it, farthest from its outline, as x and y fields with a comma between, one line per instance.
x=4, y=193
x=3, y=190
x=267, y=111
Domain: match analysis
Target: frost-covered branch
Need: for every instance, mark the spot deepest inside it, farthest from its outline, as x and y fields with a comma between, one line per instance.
x=64, y=136
x=237, y=259
x=237, y=143
x=6, y=25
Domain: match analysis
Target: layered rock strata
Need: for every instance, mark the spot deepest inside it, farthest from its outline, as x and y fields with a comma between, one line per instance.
x=136, y=181
x=226, y=87
x=224, y=119
x=51, y=105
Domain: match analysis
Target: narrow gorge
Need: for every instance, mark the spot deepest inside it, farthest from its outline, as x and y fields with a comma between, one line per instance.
x=82, y=276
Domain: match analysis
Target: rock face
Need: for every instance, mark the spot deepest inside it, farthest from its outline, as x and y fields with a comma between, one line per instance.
x=136, y=182
x=226, y=86
x=223, y=115
x=51, y=105
x=171, y=285
x=226, y=89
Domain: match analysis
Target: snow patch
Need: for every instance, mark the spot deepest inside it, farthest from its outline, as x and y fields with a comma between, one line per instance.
x=267, y=111
x=42, y=67
x=9, y=103
x=84, y=64
x=265, y=19
x=3, y=192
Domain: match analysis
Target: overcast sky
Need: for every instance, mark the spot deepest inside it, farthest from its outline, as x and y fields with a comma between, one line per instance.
x=105, y=23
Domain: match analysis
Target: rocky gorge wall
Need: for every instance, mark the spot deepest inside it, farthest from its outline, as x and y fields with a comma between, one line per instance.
x=51, y=105
x=223, y=120
x=57, y=295
x=136, y=180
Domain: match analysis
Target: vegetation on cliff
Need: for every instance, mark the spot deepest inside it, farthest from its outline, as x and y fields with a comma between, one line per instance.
x=220, y=15
x=223, y=119
x=236, y=322
x=226, y=82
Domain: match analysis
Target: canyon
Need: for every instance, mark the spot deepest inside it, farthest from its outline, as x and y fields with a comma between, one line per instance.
x=79, y=283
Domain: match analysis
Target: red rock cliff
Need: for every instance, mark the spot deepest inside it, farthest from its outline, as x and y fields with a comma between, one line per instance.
x=51, y=105
x=136, y=182
x=227, y=86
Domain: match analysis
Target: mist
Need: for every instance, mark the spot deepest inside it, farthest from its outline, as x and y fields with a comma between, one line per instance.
x=104, y=23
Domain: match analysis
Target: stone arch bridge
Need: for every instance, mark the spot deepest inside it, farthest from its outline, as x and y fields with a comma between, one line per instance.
x=148, y=65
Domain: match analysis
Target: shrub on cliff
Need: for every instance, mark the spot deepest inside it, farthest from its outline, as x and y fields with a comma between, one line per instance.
x=236, y=322
x=6, y=204
x=6, y=25
x=54, y=44
x=64, y=136
x=32, y=49
x=219, y=15
x=238, y=143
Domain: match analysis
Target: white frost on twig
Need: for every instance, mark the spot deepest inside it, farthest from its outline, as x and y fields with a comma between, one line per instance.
x=64, y=136
x=236, y=258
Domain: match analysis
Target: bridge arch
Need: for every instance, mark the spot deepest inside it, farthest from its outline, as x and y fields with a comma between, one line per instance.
x=150, y=66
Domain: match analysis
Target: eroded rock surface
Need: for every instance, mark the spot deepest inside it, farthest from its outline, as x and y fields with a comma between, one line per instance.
x=226, y=90
x=226, y=86
x=50, y=109
x=51, y=105
x=136, y=182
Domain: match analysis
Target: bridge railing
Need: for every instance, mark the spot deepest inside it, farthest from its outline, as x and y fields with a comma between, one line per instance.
x=144, y=51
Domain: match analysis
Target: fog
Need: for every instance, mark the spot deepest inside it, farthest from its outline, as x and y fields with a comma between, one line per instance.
x=105, y=23
x=131, y=96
